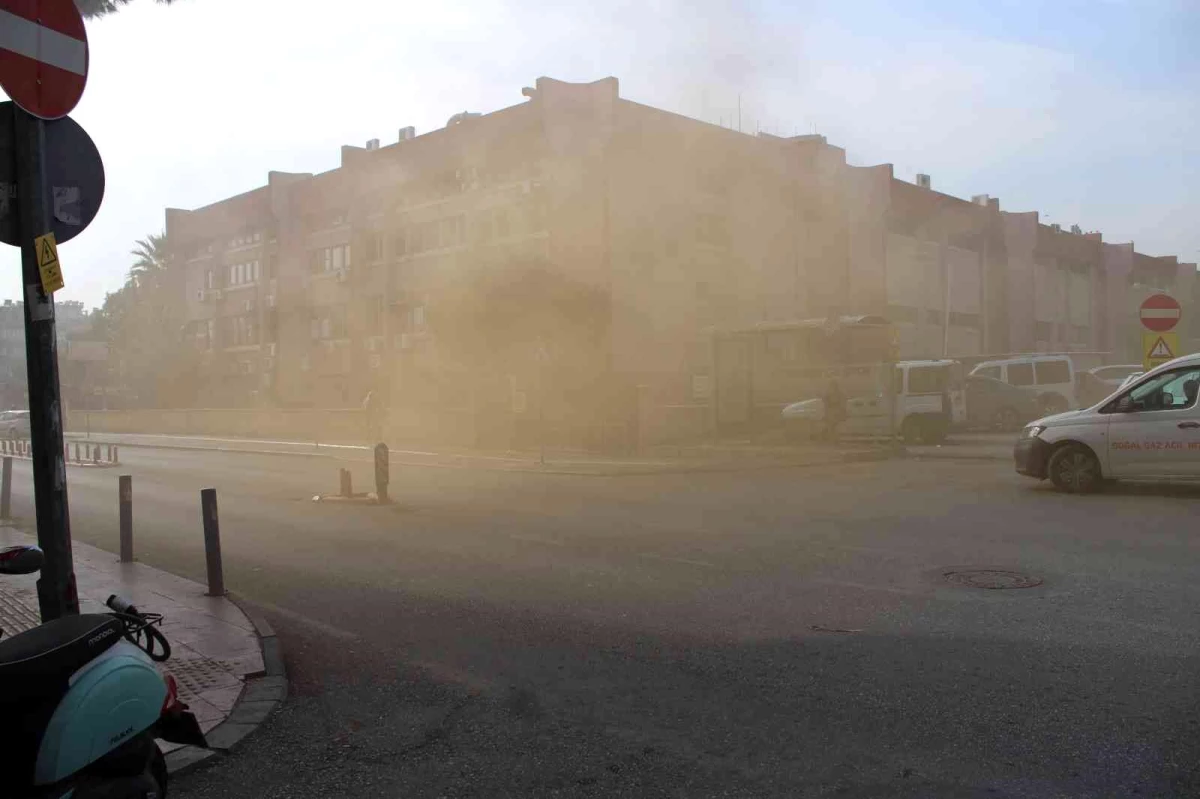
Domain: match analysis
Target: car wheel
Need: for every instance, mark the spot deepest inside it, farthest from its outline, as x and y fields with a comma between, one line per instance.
x=911, y=431
x=933, y=431
x=1006, y=420
x=1074, y=469
x=1053, y=403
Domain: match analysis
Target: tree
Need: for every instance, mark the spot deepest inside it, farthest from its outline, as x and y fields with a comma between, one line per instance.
x=140, y=323
x=91, y=9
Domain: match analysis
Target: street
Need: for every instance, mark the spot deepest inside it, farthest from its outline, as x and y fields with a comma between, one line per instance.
x=776, y=632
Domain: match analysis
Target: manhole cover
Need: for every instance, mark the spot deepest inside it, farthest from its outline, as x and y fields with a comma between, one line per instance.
x=991, y=578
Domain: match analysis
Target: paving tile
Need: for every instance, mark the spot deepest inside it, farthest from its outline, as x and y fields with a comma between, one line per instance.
x=222, y=699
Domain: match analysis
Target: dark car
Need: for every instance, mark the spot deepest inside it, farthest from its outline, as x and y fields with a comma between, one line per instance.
x=995, y=405
x=1096, y=384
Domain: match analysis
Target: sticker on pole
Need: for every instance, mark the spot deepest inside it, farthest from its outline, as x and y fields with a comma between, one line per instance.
x=1158, y=348
x=48, y=265
x=1160, y=313
x=43, y=55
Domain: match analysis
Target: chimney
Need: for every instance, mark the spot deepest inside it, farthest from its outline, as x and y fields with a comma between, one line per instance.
x=923, y=180
x=373, y=144
x=408, y=133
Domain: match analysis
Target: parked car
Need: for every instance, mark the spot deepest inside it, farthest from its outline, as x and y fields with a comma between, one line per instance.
x=1095, y=384
x=14, y=424
x=995, y=405
x=930, y=398
x=1051, y=377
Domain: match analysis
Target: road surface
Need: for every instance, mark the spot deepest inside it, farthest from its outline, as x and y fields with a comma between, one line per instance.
x=768, y=633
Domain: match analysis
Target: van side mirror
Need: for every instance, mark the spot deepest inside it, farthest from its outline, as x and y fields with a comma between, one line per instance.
x=1124, y=404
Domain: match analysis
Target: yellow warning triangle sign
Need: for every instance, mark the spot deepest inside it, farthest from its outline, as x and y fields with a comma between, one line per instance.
x=47, y=252
x=1161, y=350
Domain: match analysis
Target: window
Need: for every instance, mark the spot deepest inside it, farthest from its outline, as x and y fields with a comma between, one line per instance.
x=926, y=379
x=328, y=322
x=1043, y=331
x=933, y=317
x=989, y=371
x=373, y=247
x=210, y=334
x=210, y=279
x=1049, y=372
x=374, y=316
x=1170, y=391
x=400, y=244
x=1020, y=374
x=330, y=259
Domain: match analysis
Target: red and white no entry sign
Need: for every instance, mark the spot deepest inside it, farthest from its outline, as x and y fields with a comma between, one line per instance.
x=43, y=55
x=1160, y=313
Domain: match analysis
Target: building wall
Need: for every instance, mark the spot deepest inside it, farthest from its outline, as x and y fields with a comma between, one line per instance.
x=690, y=227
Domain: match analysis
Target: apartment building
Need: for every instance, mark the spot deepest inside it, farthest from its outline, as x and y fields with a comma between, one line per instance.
x=315, y=289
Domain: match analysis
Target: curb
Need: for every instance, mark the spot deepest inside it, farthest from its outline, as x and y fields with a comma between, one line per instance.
x=263, y=693
x=850, y=457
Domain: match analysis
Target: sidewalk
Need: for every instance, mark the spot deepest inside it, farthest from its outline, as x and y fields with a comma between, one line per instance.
x=217, y=651
x=720, y=456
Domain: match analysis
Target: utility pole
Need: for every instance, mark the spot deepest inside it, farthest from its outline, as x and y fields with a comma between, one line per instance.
x=56, y=586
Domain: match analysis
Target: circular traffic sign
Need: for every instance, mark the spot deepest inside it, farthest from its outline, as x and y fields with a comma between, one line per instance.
x=74, y=183
x=1160, y=313
x=43, y=55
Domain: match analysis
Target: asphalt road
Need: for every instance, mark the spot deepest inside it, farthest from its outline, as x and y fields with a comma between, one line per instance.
x=783, y=632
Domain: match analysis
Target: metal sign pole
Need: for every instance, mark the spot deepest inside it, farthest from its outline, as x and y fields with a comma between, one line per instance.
x=56, y=587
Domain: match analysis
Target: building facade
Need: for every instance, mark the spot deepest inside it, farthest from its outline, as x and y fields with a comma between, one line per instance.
x=314, y=290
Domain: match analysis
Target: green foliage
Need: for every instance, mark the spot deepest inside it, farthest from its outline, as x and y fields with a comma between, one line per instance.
x=91, y=9
x=140, y=323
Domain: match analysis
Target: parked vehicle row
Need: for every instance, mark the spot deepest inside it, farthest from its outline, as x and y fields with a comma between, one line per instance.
x=933, y=397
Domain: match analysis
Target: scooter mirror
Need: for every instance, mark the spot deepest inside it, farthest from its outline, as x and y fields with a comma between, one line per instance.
x=20, y=560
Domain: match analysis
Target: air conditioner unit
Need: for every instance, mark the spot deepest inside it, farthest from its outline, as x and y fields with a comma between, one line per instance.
x=374, y=344
x=406, y=341
x=270, y=300
x=200, y=296
x=249, y=305
x=217, y=294
x=923, y=180
x=272, y=349
x=374, y=361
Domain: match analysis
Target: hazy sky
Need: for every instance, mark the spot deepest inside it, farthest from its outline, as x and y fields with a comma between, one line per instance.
x=1086, y=111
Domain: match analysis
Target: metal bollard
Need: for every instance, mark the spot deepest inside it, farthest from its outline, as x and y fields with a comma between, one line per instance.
x=6, y=489
x=212, y=542
x=77, y=459
x=116, y=458
x=125, y=500
x=345, y=486
x=382, y=473
x=96, y=454
x=110, y=458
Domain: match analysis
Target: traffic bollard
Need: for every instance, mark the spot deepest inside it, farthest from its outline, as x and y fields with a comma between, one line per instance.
x=382, y=473
x=6, y=488
x=110, y=457
x=77, y=460
x=212, y=542
x=96, y=455
x=116, y=458
x=125, y=498
x=345, y=485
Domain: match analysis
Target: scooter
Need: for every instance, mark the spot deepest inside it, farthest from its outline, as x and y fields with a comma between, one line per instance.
x=82, y=702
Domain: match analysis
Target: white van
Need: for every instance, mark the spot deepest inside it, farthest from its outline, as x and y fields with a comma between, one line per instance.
x=930, y=398
x=1051, y=377
x=1149, y=429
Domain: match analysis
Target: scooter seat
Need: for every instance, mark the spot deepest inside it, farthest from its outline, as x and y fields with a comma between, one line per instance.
x=45, y=657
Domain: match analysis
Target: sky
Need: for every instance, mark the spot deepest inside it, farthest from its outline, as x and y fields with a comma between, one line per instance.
x=1088, y=112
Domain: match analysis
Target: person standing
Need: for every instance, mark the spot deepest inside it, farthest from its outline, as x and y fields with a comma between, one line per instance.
x=835, y=409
